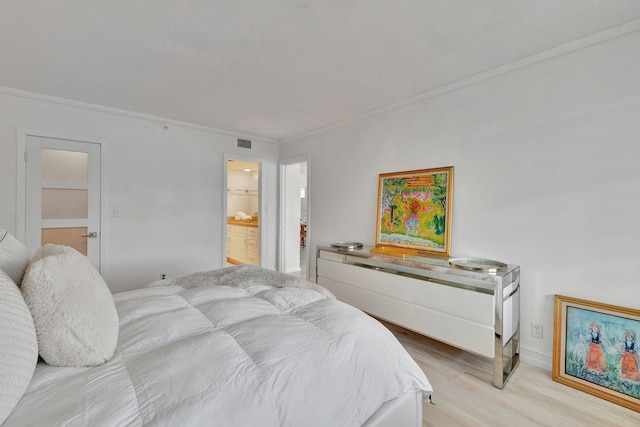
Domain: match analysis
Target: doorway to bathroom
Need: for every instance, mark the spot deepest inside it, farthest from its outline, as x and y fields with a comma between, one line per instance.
x=242, y=215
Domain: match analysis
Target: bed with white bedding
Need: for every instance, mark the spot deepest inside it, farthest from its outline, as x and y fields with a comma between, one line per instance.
x=240, y=346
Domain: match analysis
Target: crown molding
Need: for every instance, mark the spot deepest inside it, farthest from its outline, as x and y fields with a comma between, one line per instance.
x=560, y=50
x=125, y=113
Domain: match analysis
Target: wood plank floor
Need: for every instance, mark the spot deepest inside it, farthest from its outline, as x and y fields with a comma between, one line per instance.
x=464, y=396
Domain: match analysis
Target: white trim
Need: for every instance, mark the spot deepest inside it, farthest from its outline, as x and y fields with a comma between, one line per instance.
x=104, y=212
x=126, y=113
x=282, y=209
x=560, y=50
x=536, y=357
x=223, y=231
x=21, y=181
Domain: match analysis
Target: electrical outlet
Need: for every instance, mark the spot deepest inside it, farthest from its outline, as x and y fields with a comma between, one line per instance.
x=163, y=276
x=536, y=330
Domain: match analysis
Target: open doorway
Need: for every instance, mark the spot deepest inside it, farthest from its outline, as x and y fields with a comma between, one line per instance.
x=243, y=206
x=294, y=214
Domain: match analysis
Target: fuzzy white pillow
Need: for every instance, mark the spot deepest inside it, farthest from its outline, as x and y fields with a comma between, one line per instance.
x=18, y=346
x=14, y=256
x=73, y=310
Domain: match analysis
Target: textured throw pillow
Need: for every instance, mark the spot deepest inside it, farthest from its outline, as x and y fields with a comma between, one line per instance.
x=51, y=249
x=73, y=310
x=18, y=346
x=14, y=256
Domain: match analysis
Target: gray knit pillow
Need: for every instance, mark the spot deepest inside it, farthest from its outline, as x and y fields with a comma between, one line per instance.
x=14, y=256
x=18, y=346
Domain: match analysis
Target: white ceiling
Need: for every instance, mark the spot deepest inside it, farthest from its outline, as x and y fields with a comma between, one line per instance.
x=276, y=68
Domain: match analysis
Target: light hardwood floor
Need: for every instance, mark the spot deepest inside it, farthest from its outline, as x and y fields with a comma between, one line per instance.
x=464, y=396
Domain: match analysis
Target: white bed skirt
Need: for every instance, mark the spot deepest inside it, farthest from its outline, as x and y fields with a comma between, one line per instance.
x=403, y=411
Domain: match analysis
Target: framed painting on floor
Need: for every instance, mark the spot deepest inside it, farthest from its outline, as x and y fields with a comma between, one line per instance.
x=595, y=349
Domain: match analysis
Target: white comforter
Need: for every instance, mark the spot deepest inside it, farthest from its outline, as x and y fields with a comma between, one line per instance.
x=229, y=348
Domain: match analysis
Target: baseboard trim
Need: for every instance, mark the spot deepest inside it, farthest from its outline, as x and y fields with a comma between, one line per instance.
x=536, y=357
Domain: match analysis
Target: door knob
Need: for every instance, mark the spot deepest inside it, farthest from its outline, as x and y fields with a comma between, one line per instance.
x=91, y=235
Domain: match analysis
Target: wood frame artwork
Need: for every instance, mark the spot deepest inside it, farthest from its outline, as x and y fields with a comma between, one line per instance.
x=414, y=210
x=595, y=349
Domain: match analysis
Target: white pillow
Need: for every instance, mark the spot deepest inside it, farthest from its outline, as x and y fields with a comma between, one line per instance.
x=52, y=249
x=18, y=346
x=73, y=310
x=14, y=256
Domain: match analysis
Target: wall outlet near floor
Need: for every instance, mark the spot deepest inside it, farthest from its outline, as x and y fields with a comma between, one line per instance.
x=163, y=276
x=536, y=330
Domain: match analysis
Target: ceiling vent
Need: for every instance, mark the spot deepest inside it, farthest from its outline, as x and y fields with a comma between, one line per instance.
x=244, y=143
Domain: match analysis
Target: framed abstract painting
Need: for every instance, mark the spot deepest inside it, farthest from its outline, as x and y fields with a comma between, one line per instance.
x=414, y=210
x=595, y=349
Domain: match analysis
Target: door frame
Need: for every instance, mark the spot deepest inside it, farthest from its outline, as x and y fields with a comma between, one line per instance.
x=282, y=211
x=21, y=187
x=261, y=214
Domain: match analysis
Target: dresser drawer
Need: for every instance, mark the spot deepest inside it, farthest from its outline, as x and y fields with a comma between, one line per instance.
x=393, y=310
x=454, y=330
x=386, y=284
x=473, y=306
x=332, y=256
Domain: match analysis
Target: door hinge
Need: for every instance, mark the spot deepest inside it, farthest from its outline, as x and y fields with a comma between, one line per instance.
x=25, y=156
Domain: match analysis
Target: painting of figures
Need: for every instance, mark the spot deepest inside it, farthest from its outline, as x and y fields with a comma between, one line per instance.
x=414, y=210
x=596, y=349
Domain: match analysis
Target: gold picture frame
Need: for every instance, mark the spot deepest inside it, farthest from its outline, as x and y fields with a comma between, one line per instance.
x=595, y=349
x=414, y=210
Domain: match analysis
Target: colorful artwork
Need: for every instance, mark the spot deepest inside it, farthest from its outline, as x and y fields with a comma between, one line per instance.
x=414, y=209
x=596, y=347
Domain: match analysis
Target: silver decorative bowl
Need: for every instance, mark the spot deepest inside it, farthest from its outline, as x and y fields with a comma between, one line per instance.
x=347, y=246
x=477, y=264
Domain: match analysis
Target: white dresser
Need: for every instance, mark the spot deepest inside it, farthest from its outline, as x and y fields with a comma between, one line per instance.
x=472, y=310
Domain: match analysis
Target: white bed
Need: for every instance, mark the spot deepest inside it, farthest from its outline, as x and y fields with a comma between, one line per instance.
x=240, y=346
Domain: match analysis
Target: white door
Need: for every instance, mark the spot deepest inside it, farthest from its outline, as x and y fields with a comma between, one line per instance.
x=62, y=200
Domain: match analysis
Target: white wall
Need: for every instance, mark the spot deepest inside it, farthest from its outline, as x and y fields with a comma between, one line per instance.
x=167, y=183
x=547, y=176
